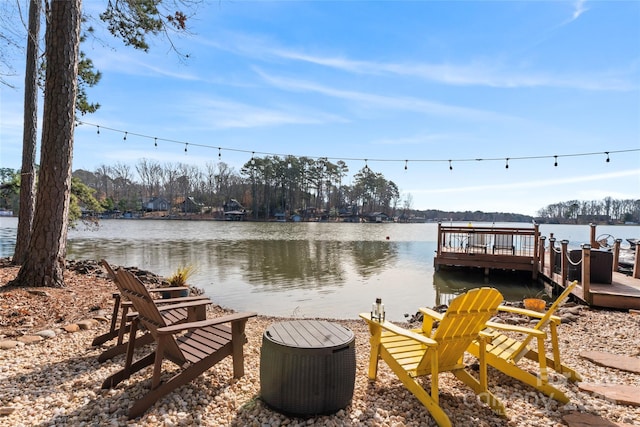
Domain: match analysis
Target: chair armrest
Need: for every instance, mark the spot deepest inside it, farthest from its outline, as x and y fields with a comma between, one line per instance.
x=525, y=312
x=516, y=328
x=400, y=331
x=169, y=289
x=186, y=304
x=431, y=313
x=230, y=318
x=170, y=301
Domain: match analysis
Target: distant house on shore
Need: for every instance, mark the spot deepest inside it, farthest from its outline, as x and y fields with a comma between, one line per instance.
x=234, y=211
x=377, y=217
x=189, y=205
x=155, y=204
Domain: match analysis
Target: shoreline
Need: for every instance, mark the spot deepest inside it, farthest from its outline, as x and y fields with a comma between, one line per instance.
x=57, y=381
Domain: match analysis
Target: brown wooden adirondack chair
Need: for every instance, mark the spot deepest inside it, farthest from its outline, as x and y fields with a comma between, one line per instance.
x=195, y=346
x=171, y=316
x=419, y=352
x=504, y=352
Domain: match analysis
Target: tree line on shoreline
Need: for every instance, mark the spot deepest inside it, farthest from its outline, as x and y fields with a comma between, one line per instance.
x=291, y=185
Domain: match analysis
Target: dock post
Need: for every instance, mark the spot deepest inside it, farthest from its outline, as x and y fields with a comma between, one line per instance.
x=541, y=255
x=552, y=255
x=594, y=243
x=616, y=254
x=565, y=262
x=586, y=273
x=536, y=251
x=636, y=264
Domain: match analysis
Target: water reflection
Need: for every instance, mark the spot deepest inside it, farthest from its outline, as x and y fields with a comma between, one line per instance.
x=302, y=269
x=513, y=285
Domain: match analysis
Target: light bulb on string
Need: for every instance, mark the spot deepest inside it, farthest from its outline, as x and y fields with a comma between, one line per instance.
x=253, y=161
x=155, y=142
x=607, y=153
x=186, y=144
x=219, y=154
x=506, y=166
x=98, y=130
x=405, y=164
x=125, y=136
x=366, y=165
x=555, y=163
x=450, y=166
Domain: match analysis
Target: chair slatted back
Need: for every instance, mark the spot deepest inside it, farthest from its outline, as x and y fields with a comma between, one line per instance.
x=503, y=240
x=462, y=322
x=477, y=239
x=148, y=313
x=544, y=320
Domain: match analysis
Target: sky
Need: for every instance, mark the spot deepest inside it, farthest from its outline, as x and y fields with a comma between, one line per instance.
x=414, y=90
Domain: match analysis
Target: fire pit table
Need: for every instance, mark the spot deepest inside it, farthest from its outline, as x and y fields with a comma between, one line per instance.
x=307, y=367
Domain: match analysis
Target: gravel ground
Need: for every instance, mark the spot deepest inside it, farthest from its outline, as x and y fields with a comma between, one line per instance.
x=56, y=382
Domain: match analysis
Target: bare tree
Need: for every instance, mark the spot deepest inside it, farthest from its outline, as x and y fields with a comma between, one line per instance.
x=44, y=264
x=29, y=136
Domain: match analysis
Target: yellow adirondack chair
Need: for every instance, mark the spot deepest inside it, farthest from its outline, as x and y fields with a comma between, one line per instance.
x=504, y=352
x=418, y=352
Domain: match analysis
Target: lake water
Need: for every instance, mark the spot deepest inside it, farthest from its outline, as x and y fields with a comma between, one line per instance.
x=333, y=270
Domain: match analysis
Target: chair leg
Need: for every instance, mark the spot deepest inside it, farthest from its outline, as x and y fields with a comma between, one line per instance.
x=112, y=352
x=571, y=374
x=101, y=339
x=420, y=393
x=527, y=378
x=238, y=339
x=115, y=379
x=483, y=393
x=183, y=377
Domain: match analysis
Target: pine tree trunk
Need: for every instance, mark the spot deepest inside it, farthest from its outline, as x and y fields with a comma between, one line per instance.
x=29, y=137
x=44, y=264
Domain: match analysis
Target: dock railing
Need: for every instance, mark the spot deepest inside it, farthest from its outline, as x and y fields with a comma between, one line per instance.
x=492, y=247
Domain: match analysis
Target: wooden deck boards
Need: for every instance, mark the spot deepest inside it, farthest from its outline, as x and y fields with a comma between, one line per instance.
x=622, y=293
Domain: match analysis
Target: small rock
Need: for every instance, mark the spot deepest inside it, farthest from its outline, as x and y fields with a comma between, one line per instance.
x=47, y=333
x=101, y=319
x=568, y=318
x=6, y=410
x=30, y=339
x=87, y=324
x=71, y=327
x=9, y=344
x=38, y=292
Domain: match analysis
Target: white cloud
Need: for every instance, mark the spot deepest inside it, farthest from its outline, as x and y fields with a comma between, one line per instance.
x=579, y=9
x=369, y=100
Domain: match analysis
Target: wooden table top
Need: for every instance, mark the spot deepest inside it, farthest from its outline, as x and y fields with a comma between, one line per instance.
x=309, y=334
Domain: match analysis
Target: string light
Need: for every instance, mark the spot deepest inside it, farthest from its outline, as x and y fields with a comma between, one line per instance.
x=366, y=165
x=186, y=144
x=555, y=156
x=253, y=161
x=506, y=166
x=405, y=164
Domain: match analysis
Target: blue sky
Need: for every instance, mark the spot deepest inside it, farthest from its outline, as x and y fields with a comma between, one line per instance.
x=398, y=83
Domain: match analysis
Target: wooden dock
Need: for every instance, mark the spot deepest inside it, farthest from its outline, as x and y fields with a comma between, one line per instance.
x=524, y=249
